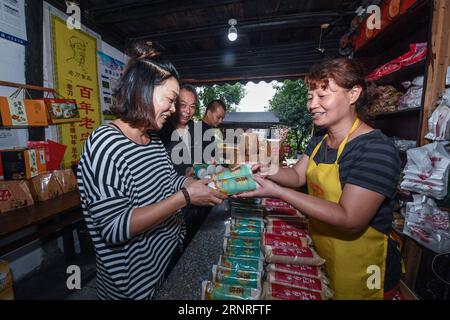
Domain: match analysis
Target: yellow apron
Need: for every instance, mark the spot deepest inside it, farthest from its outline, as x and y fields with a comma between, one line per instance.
x=349, y=259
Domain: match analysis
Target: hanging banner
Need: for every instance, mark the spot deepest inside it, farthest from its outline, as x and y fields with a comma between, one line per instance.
x=111, y=71
x=76, y=77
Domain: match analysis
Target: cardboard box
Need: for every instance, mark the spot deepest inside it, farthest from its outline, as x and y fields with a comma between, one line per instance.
x=14, y=195
x=66, y=179
x=6, y=281
x=62, y=110
x=45, y=187
x=22, y=112
x=18, y=164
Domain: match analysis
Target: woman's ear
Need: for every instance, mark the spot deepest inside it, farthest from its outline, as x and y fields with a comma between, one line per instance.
x=355, y=93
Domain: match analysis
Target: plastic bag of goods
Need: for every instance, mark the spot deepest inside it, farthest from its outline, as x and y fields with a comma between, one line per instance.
x=427, y=224
x=220, y=291
x=232, y=277
x=241, y=242
x=300, y=282
x=439, y=124
x=411, y=99
x=237, y=263
x=426, y=171
x=307, y=271
x=248, y=232
x=290, y=255
x=277, y=240
x=273, y=291
x=234, y=185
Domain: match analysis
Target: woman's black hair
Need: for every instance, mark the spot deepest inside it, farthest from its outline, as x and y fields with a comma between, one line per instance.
x=133, y=97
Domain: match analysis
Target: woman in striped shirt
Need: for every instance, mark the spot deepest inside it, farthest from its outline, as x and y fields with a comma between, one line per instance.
x=130, y=194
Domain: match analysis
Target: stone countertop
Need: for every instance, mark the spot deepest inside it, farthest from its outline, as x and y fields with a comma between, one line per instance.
x=194, y=266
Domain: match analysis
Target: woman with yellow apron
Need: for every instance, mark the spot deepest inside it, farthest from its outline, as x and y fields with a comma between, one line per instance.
x=351, y=188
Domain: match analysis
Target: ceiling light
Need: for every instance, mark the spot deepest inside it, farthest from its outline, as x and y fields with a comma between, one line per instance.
x=232, y=31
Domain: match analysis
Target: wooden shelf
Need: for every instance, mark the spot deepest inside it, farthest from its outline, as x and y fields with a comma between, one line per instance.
x=416, y=18
x=396, y=114
x=18, y=219
x=405, y=74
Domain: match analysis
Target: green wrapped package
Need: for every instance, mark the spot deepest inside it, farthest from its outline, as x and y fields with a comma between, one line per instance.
x=251, y=232
x=234, y=185
x=243, y=222
x=220, y=291
x=245, y=264
x=242, y=171
x=244, y=252
x=236, y=277
x=241, y=242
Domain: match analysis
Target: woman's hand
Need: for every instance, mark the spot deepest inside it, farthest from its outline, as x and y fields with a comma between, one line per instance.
x=265, y=189
x=202, y=195
x=264, y=169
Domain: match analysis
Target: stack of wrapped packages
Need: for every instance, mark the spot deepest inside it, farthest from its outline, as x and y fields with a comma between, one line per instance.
x=413, y=95
x=426, y=173
x=267, y=254
x=426, y=223
x=427, y=170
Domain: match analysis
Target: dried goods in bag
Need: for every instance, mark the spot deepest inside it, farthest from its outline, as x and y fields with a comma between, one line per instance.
x=236, y=277
x=237, y=263
x=278, y=240
x=241, y=242
x=301, y=270
x=289, y=255
x=290, y=232
x=220, y=291
x=245, y=252
x=273, y=291
x=300, y=282
x=249, y=232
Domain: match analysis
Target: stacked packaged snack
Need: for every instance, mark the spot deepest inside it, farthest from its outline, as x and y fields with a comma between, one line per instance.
x=234, y=181
x=274, y=233
x=239, y=271
x=294, y=269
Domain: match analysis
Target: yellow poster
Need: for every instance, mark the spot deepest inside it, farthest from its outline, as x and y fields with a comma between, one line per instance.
x=76, y=77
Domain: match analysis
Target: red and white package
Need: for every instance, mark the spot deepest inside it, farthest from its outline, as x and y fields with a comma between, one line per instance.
x=289, y=232
x=307, y=271
x=300, y=282
x=286, y=222
x=273, y=291
x=272, y=202
x=288, y=255
x=278, y=240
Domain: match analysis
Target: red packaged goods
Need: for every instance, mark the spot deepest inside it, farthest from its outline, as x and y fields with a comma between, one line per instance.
x=289, y=255
x=273, y=291
x=286, y=223
x=300, y=282
x=290, y=232
x=276, y=240
x=307, y=271
x=282, y=211
x=271, y=202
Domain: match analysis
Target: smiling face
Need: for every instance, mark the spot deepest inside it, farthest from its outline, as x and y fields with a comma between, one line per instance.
x=329, y=105
x=186, y=106
x=164, y=97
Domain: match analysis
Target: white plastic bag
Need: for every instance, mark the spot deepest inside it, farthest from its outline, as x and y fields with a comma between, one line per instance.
x=438, y=124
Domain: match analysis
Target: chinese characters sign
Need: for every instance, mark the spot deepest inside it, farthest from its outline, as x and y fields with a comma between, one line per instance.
x=75, y=67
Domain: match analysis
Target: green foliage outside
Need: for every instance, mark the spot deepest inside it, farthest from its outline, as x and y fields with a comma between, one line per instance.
x=230, y=94
x=289, y=105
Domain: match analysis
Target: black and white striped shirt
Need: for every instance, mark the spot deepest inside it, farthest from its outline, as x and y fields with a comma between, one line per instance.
x=116, y=175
